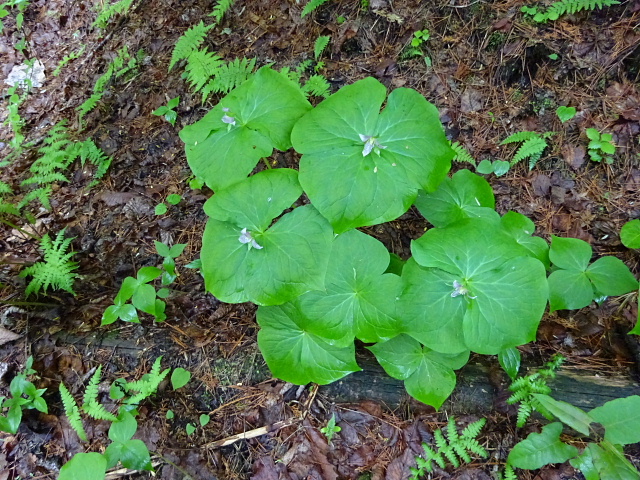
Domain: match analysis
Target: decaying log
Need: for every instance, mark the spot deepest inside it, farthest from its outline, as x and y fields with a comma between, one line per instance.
x=474, y=393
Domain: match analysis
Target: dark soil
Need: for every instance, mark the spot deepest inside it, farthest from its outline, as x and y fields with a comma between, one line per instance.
x=491, y=76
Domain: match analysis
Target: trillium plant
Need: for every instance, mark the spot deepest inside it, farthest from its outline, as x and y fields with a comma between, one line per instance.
x=287, y=240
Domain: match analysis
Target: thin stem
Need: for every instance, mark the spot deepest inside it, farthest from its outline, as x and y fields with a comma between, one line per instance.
x=7, y=222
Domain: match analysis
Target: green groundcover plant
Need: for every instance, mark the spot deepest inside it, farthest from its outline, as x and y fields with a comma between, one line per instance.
x=476, y=282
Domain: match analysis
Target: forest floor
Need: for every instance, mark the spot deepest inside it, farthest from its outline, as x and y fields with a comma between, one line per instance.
x=490, y=71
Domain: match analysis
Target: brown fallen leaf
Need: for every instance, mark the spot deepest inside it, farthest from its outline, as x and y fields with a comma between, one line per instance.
x=7, y=336
x=574, y=156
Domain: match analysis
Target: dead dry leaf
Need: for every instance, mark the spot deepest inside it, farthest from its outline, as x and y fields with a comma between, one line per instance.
x=7, y=336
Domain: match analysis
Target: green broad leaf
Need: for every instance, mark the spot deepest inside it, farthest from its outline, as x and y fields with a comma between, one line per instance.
x=630, y=234
x=88, y=466
x=570, y=253
x=463, y=195
x=400, y=356
x=255, y=202
x=135, y=455
x=180, y=377
x=127, y=289
x=295, y=355
x=190, y=428
x=173, y=103
x=429, y=313
x=176, y=250
x=174, y=199
x=593, y=134
x=162, y=249
x=610, y=462
x=144, y=299
x=610, y=276
x=566, y=113
x=509, y=359
x=292, y=259
x=584, y=463
x=359, y=299
x=428, y=375
x=123, y=429
x=540, y=449
x=478, y=280
x=569, y=290
x=566, y=413
x=374, y=162
x=170, y=415
x=521, y=229
x=126, y=313
x=485, y=167
x=396, y=264
x=165, y=292
x=204, y=420
x=160, y=209
x=225, y=145
x=148, y=274
x=620, y=419
x=501, y=167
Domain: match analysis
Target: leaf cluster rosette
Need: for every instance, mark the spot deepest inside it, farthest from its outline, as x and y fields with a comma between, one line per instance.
x=226, y=144
x=360, y=166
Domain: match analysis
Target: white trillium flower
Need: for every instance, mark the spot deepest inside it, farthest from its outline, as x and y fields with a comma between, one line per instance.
x=226, y=118
x=247, y=238
x=459, y=289
x=370, y=145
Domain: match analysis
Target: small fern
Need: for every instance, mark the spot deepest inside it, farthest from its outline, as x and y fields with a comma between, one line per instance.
x=89, y=151
x=221, y=8
x=89, y=104
x=90, y=404
x=524, y=388
x=201, y=67
x=42, y=194
x=57, y=269
x=557, y=9
x=509, y=473
x=533, y=145
x=462, y=154
x=119, y=8
x=189, y=42
x=229, y=75
x=67, y=58
x=147, y=385
x=455, y=448
x=72, y=412
x=320, y=45
x=316, y=86
x=312, y=6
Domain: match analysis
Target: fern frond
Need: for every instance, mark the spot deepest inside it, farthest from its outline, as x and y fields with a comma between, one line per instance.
x=229, y=76
x=119, y=8
x=473, y=429
x=41, y=194
x=89, y=104
x=221, y=8
x=532, y=148
x=316, y=86
x=462, y=154
x=524, y=412
x=201, y=66
x=320, y=44
x=57, y=269
x=90, y=404
x=147, y=385
x=509, y=473
x=89, y=151
x=311, y=7
x=519, y=137
x=189, y=42
x=562, y=7
x=72, y=412
x=8, y=208
x=5, y=188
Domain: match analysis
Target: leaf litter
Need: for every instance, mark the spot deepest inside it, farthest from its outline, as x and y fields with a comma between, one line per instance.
x=495, y=79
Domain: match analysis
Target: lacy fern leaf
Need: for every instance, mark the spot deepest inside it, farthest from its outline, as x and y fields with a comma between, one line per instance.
x=201, y=66
x=462, y=154
x=89, y=151
x=189, y=42
x=72, y=412
x=57, y=269
x=229, y=75
x=221, y=8
x=312, y=6
x=562, y=7
x=316, y=86
x=533, y=145
x=147, y=385
x=455, y=448
x=90, y=404
x=320, y=45
x=119, y=8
